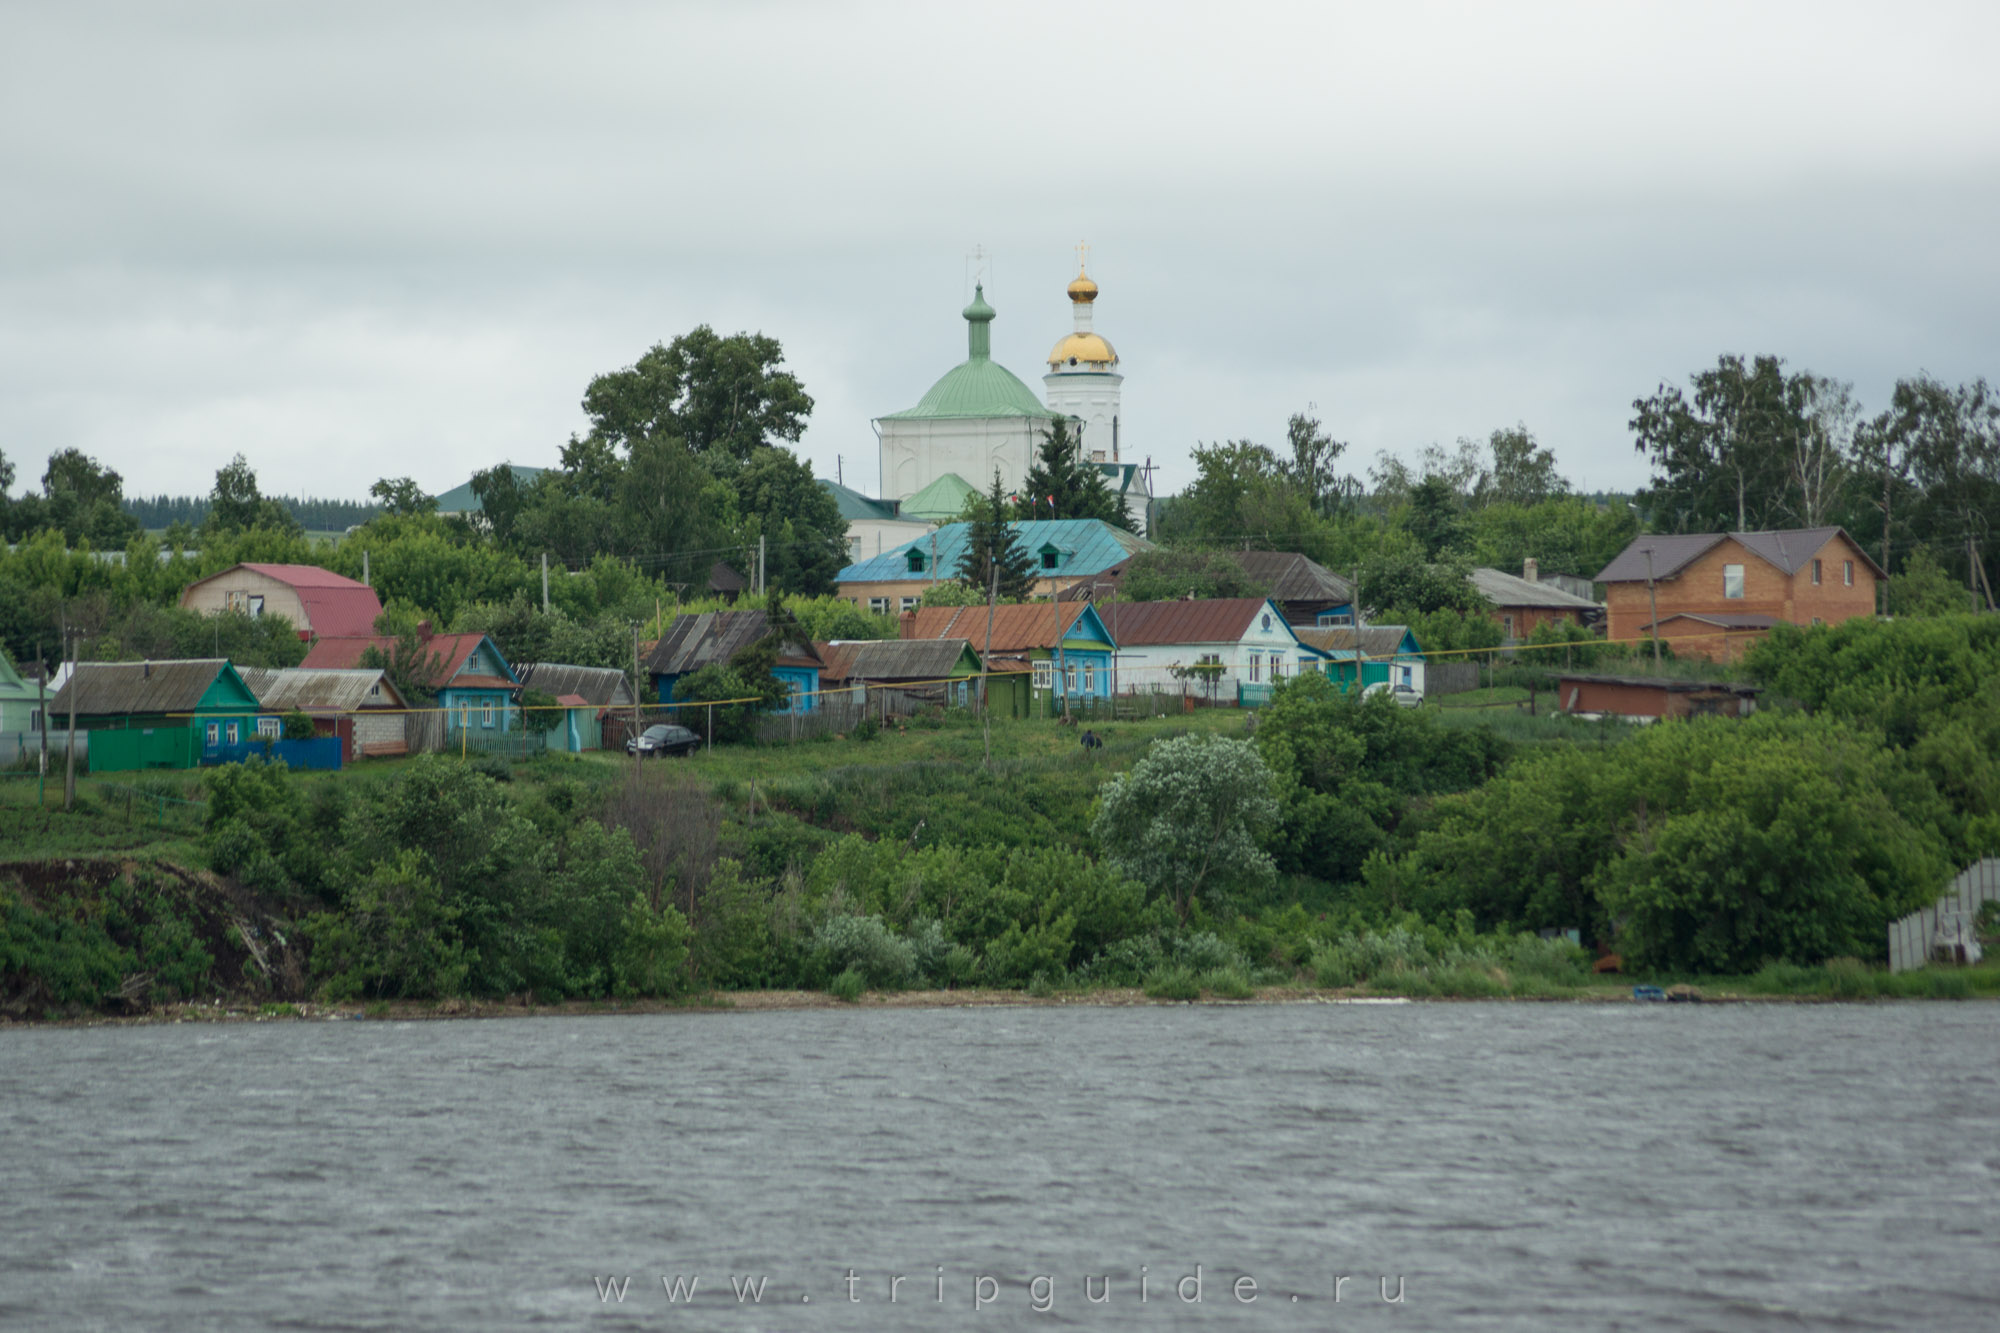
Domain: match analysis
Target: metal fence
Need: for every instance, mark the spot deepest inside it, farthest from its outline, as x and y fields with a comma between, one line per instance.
x=21, y=748
x=1914, y=939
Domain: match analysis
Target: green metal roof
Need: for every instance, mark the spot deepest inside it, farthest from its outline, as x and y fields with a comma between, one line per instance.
x=461, y=500
x=980, y=386
x=941, y=501
x=854, y=505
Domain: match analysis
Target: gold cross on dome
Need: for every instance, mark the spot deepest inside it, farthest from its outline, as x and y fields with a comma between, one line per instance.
x=1082, y=257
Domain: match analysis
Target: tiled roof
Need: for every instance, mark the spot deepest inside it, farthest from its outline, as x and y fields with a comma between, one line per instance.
x=1215, y=620
x=112, y=688
x=1503, y=589
x=1085, y=546
x=283, y=690
x=605, y=687
x=1015, y=628
x=891, y=659
x=1787, y=549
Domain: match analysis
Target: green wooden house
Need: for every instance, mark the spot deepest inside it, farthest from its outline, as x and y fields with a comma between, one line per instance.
x=18, y=698
x=160, y=714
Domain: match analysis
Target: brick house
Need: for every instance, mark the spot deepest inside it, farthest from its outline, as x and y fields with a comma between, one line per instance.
x=1718, y=592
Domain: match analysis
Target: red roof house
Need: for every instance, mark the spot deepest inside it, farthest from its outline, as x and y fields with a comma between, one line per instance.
x=319, y=602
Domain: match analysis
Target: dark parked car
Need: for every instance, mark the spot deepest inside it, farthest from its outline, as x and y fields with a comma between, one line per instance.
x=665, y=738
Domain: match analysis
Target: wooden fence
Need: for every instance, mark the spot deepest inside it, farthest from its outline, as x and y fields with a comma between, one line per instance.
x=1450, y=677
x=1912, y=938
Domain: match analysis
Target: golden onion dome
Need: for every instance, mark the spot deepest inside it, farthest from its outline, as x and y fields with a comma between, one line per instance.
x=1083, y=290
x=1082, y=349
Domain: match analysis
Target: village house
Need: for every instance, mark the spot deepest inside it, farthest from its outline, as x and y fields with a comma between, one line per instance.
x=1371, y=655
x=712, y=638
x=1524, y=602
x=161, y=714
x=1064, y=552
x=20, y=702
x=1719, y=592
x=360, y=707
x=477, y=692
x=589, y=695
x=1220, y=648
x=318, y=602
x=1062, y=649
x=930, y=670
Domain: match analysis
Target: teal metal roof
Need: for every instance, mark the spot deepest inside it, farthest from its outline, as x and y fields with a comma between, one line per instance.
x=461, y=500
x=980, y=386
x=941, y=500
x=1082, y=547
x=854, y=505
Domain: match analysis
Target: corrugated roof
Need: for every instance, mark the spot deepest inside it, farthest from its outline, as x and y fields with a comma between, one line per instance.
x=1292, y=577
x=1670, y=685
x=1084, y=546
x=306, y=690
x=114, y=688
x=1503, y=589
x=344, y=653
x=891, y=659
x=1723, y=619
x=1369, y=640
x=1788, y=549
x=854, y=505
x=1016, y=628
x=693, y=642
x=606, y=687
x=1215, y=620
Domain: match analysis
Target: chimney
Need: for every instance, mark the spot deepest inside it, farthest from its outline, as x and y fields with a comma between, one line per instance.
x=1531, y=570
x=424, y=631
x=146, y=671
x=908, y=625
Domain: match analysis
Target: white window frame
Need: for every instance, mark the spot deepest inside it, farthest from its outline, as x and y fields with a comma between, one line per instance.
x=1089, y=678
x=1815, y=573
x=1069, y=678
x=214, y=734
x=230, y=732
x=1848, y=571
x=256, y=605
x=269, y=726
x=486, y=714
x=1256, y=667
x=879, y=605
x=1732, y=582
x=910, y=603
x=1044, y=674
x=1277, y=668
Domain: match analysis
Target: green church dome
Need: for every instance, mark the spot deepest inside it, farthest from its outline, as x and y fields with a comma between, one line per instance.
x=980, y=386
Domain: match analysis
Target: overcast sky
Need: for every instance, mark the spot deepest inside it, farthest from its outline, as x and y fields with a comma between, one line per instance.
x=353, y=241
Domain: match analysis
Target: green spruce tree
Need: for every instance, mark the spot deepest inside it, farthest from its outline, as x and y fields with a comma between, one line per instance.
x=990, y=540
x=1061, y=471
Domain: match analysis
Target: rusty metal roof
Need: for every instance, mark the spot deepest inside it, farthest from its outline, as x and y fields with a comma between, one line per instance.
x=1016, y=628
x=1213, y=620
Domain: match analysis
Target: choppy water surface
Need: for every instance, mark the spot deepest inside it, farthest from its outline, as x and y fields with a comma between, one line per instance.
x=1503, y=1166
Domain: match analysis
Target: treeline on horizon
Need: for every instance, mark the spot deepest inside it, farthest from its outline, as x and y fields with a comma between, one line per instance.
x=159, y=512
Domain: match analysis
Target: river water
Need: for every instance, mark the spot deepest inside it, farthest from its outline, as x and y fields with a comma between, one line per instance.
x=1496, y=1166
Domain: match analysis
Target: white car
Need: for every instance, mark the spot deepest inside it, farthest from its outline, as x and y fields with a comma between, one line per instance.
x=1402, y=694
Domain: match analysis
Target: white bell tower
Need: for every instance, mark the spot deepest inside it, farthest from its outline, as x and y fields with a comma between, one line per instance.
x=1083, y=379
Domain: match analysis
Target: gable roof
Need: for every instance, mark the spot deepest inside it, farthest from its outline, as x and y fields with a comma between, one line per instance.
x=307, y=690
x=1368, y=641
x=854, y=505
x=605, y=687
x=893, y=659
x=943, y=499
x=1213, y=620
x=111, y=688
x=1787, y=549
x=1016, y=628
x=1292, y=577
x=1504, y=589
x=12, y=684
x=454, y=650
x=461, y=499
x=1087, y=546
x=334, y=603
x=713, y=637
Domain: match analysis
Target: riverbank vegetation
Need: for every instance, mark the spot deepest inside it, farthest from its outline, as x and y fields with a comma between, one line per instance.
x=1345, y=844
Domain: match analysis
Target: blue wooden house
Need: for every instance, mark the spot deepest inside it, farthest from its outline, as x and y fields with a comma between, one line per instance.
x=712, y=638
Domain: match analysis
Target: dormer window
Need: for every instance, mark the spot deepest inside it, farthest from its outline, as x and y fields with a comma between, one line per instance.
x=1051, y=557
x=916, y=559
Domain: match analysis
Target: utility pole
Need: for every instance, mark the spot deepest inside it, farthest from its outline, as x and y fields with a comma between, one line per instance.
x=545, y=583
x=986, y=660
x=69, y=757
x=1061, y=678
x=760, y=564
x=1653, y=600
x=42, y=711
x=364, y=569
x=638, y=686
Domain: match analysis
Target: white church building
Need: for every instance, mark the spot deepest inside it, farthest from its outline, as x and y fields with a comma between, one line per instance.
x=980, y=417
